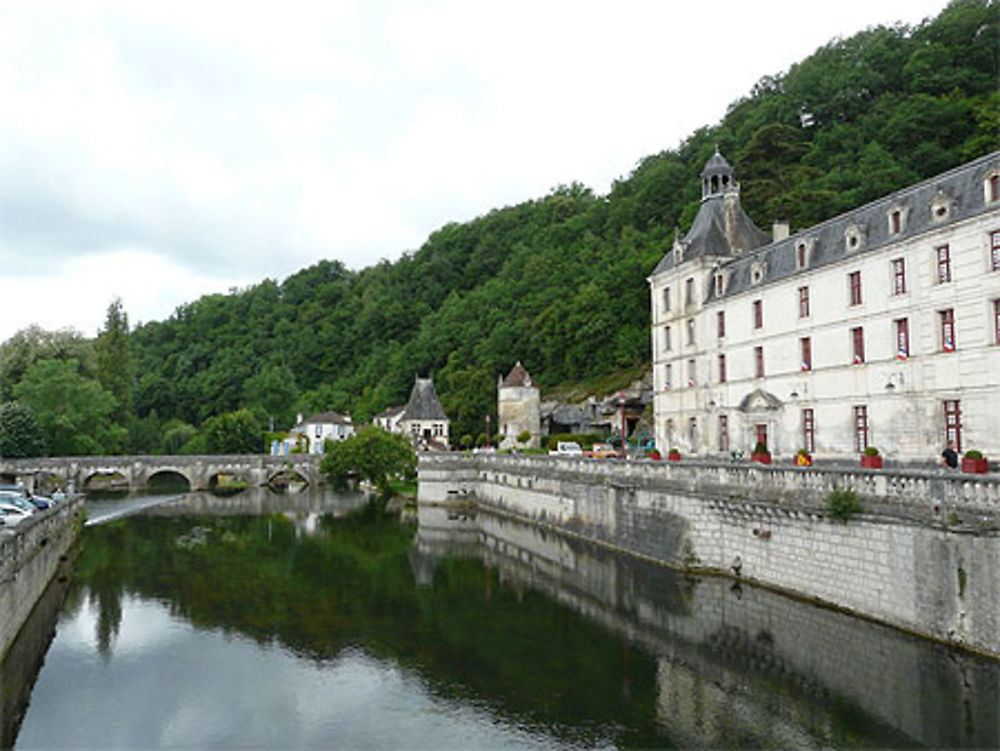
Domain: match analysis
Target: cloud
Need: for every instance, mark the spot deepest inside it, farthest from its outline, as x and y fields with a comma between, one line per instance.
x=241, y=141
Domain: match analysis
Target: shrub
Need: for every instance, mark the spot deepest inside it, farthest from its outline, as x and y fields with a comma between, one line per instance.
x=802, y=452
x=973, y=454
x=841, y=505
x=524, y=436
x=871, y=451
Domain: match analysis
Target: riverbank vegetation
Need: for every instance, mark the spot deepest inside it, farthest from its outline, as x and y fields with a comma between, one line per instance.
x=558, y=282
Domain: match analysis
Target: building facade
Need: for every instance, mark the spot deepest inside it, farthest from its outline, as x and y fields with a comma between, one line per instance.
x=424, y=419
x=879, y=327
x=519, y=405
x=311, y=434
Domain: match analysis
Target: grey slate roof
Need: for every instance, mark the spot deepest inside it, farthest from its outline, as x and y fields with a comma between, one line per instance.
x=326, y=418
x=424, y=403
x=962, y=187
x=708, y=235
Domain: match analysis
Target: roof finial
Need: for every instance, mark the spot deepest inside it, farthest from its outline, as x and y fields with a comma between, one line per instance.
x=717, y=149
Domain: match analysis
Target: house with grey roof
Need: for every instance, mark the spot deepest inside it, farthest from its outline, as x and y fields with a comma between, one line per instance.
x=879, y=327
x=423, y=419
x=518, y=408
x=310, y=434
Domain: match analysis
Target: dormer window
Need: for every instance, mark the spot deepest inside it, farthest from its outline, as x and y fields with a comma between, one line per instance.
x=803, y=252
x=897, y=219
x=720, y=284
x=854, y=237
x=991, y=186
x=757, y=270
x=941, y=206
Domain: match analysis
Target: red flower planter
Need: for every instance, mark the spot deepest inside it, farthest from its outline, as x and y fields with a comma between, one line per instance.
x=976, y=466
x=871, y=462
x=674, y=457
x=761, y=458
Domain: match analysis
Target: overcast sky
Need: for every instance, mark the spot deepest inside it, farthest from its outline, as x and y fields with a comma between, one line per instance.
x=158, y=151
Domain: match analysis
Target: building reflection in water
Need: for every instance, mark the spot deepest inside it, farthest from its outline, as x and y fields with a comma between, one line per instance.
x=736, y=661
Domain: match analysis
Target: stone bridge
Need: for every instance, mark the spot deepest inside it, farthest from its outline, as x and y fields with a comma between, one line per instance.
x=200, y=472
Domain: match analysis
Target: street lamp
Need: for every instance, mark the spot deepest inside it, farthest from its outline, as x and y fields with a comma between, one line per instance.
x=488, y=431
x=621, y=400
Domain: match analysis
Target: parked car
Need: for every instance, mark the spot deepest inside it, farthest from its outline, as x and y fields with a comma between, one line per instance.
x=603, y=451
x=12, y=515
x=18, y=500
x=567, y=448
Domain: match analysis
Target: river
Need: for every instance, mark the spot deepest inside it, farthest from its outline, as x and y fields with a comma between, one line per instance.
x=316, y=620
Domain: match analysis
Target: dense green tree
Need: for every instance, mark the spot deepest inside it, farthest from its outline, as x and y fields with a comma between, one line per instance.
x=371, y=454
x=20, y=433
x=237, y=432
x=273, y=389
x=74, y=411
x=34, y=343
x=115, y=370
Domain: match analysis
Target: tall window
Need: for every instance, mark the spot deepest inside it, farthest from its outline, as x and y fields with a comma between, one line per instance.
x=758, y=313
x=720, y=322
x=805, y=344
x=666, y=299
x=723, y=433
x=690, y=330
x=719, y=285
x=667, y=377
x=895, y=222
x=693, y=433
x=860, y=428
x=943, y=264
x=854, y=283
x=689, y=292
x=758, y=358
x=800, y=253
x=858, y=344
x=808, y=430
x=947, y=330
x=691, y=373
x=902, y=326
x=667, y=343
x=722, y=368
x=803, y=302
x=994, y=187
x=996, y=321
x=760, y=433
x=898, y=276
x=953, y=422
x=995, y=251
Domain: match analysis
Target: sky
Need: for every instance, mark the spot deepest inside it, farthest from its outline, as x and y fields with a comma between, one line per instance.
x=158, y=151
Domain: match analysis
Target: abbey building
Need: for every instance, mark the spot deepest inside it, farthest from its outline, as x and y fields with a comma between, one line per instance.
x=880, y=327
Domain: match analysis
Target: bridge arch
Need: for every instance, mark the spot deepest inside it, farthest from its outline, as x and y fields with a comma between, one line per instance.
x=168, y=478
x=285, y=476
x=105, y=480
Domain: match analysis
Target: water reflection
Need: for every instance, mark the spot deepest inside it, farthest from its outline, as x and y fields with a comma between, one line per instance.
x=323, y=621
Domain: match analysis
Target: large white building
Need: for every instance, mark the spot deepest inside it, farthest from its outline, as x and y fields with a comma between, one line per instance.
x=880, y=327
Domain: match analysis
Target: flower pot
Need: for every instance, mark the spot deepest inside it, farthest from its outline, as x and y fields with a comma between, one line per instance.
x=803, y=460
x=871, y=462
x=674, y=456
x=975, y=466
x=761, y=458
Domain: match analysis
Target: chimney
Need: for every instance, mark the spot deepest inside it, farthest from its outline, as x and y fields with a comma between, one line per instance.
x=298, y=419
x=780, y=230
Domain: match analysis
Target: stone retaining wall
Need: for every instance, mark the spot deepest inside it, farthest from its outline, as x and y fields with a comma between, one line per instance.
x=923, y=556
x=30, y=556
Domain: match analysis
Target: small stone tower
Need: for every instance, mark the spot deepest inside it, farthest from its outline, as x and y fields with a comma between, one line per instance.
x=518, y=408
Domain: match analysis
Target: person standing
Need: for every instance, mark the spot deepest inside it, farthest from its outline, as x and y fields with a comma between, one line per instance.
x=949, y=457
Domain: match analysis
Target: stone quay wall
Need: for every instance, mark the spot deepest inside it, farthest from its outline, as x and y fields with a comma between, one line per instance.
x=30, y=557
x=923, y=555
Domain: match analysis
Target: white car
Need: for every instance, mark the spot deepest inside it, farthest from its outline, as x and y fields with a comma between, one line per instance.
x=567, y=448
x=12, y=515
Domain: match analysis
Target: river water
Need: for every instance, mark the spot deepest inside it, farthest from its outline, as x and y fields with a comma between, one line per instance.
x=317, y=620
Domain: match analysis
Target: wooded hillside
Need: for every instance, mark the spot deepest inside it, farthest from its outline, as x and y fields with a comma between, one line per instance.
x=559, y=282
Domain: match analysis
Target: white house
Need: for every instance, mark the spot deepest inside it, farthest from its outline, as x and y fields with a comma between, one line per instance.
x=314, y=431
x=879, y=327
x=389, y=419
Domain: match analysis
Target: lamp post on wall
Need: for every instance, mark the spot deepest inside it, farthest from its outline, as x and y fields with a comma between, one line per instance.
x=621, y=401
x=488, y=445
